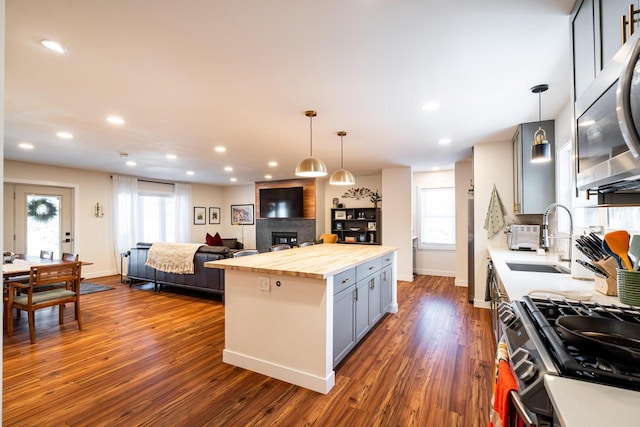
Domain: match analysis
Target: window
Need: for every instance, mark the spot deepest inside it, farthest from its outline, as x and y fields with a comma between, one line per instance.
x=437, y=218
x=156, y=212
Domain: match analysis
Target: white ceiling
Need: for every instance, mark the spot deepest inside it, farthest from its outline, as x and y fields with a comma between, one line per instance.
x=189, y=75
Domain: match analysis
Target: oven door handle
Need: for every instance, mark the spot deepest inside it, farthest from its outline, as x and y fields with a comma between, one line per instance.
x=521, y=410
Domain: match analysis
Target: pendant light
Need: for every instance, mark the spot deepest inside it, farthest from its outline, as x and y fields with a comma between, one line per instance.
x=311, y=167
x=342, y=176
x=541, y=149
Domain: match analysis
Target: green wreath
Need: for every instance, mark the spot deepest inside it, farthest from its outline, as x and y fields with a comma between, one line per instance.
x=41, y=210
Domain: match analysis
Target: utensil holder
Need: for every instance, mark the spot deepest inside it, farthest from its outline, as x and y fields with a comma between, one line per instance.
x=629, y=287
x=607, y=285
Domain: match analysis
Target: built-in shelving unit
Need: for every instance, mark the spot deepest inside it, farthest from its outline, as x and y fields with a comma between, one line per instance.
x=357, y=225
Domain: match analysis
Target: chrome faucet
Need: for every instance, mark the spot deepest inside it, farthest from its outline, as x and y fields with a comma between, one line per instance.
x=545, y=227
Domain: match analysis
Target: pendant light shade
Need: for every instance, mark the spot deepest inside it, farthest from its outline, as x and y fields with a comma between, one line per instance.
x=311, y=167
x=342, y=176
x=540, y=150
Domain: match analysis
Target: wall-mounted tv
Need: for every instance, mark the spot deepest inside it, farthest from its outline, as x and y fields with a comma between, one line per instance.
x=281, y=202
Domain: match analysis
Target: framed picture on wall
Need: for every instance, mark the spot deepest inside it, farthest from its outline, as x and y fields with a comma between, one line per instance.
x=242, y=214
x=214, y=215
x=199, y=215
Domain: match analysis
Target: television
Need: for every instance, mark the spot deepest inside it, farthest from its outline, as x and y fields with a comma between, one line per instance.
x=281, y=202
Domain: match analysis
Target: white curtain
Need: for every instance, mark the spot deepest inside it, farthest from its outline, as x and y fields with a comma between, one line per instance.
x=125, y=212
x=182, y=194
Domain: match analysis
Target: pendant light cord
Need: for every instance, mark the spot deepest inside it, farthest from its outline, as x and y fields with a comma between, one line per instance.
x=539, y=109
x=341, y=153
x=311, y=136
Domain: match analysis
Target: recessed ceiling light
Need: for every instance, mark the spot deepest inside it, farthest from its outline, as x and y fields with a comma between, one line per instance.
x=131, y=163
x=268, y=177
x=25, y=146
x=220, y=149
x=430, y=106
x=54, y=46
x=64, y=135
x=233, y=179
x=444, y=141
x=171, y=156
x=273, y=164
x=228, y=168
x=190, y=173
x=115, y=120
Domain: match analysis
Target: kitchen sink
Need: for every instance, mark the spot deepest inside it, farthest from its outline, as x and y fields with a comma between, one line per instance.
x=538, y=268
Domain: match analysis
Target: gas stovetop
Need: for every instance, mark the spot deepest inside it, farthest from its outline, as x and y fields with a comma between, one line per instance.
x=584, y=362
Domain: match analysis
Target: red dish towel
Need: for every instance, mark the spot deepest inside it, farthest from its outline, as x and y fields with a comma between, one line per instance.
x=501, y=404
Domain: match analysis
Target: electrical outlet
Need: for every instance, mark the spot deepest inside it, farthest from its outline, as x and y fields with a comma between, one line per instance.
x=264, y=283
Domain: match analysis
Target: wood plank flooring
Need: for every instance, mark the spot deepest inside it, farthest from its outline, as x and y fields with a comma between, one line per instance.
x=155, y=360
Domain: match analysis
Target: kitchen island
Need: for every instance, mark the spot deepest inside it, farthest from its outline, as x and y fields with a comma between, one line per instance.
x=280, y=316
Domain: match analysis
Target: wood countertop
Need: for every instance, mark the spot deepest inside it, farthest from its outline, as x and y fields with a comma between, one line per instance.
x=315, y=262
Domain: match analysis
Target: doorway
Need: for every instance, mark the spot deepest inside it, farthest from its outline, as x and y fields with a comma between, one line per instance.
x=38, y=218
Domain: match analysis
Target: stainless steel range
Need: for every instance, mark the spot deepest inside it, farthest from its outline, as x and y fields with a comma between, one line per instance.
x=581, y=341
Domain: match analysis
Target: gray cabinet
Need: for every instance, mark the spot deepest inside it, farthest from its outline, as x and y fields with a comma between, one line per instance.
x=534, y=186
x=344, y=310
x=385, y=288
x=361, y=296
x=596, y=34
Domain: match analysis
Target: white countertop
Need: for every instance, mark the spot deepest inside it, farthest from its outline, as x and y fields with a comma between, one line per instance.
x=520, y=283
x=578, y=403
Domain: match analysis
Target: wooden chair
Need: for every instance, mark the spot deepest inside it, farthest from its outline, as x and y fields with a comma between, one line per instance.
x=245, y=252
x=46, y=255
x=66, y=256
x=30, y=301
x=280, y=247
x=303, y=244
x=329, y=238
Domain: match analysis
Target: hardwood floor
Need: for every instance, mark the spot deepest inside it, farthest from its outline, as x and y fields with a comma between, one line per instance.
x=155, y=359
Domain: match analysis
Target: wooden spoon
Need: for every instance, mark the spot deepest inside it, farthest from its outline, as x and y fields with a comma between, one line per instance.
x=618, y=242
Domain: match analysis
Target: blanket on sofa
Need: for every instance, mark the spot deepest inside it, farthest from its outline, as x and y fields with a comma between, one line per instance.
x=172, y=257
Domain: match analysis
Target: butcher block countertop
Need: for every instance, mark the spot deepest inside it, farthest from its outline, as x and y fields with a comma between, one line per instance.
x=315, y=262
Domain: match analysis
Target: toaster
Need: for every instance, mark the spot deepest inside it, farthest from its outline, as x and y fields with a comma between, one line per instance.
x=524, y=237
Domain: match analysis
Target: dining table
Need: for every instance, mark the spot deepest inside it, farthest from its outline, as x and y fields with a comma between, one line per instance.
x=22, y=266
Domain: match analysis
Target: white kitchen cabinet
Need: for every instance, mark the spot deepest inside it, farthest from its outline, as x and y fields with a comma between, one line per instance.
x=386, y=287
x=534, y=186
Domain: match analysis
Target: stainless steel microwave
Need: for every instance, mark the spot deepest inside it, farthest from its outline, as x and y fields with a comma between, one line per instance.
x=608, y=125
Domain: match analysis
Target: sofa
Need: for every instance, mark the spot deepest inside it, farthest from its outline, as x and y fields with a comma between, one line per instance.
x=204, y=279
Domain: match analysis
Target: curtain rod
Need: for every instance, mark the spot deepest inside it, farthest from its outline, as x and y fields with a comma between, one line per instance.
x=153, y=182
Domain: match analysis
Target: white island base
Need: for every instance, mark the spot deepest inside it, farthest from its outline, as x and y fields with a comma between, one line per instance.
x=280, y=323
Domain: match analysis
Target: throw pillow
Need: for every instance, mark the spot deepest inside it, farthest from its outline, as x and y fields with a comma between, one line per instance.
x=214, y=240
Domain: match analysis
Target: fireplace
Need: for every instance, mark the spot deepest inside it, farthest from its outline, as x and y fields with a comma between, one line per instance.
x=284, y=237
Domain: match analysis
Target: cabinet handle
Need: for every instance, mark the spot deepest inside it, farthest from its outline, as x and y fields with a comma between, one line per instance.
x=384, y=275
x=372, y=285
x=372, y=267
x=356, y=295
x=346, y=280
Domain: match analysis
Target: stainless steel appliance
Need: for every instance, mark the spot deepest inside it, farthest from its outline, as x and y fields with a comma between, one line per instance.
x=538, y=346
x=608, y=125
x=524, y=237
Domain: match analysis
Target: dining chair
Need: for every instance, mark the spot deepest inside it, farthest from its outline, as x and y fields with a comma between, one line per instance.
x=46, y=255
x=303, y=244
x=280, y=247
x=30, y=301
x=328, y=238
x=245, y=252
x=66, y=256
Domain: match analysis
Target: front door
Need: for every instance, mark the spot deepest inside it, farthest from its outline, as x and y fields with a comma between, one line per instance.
x=38, y=218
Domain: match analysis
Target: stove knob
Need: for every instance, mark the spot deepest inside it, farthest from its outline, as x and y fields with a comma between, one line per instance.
x=525, y=370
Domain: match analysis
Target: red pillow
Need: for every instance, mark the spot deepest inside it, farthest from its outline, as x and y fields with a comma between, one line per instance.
x=214, y=240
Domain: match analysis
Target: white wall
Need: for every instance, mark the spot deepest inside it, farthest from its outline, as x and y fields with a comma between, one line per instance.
x=397, y=184
x=492, y=164
x=434, y=262
x=240, y=195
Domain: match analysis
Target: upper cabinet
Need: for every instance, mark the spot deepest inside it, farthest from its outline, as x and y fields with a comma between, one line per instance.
x=597, y=32
x=534, y=186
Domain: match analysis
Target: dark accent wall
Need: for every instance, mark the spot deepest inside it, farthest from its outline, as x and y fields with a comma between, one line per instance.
x=306, y=229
